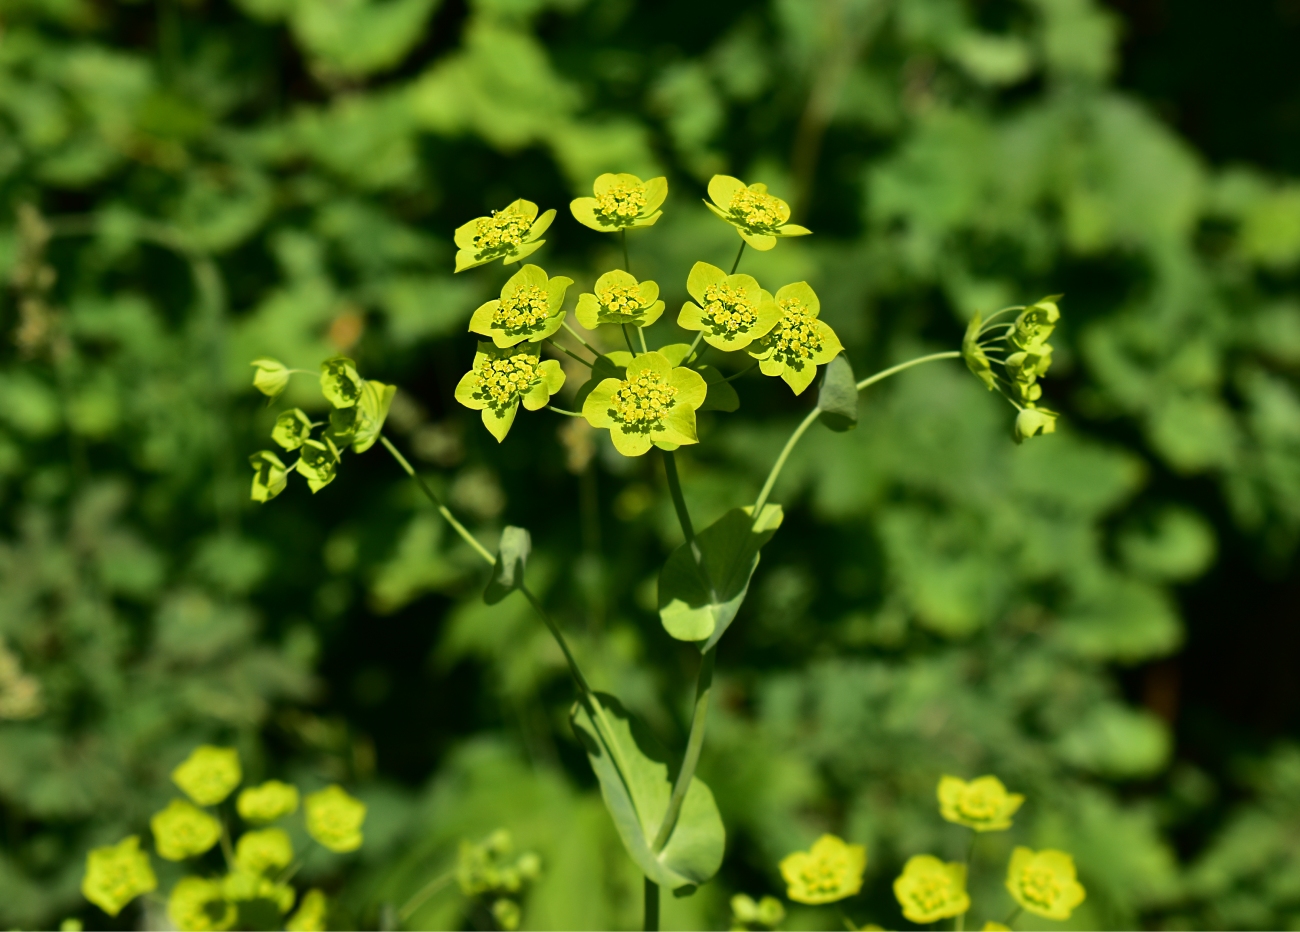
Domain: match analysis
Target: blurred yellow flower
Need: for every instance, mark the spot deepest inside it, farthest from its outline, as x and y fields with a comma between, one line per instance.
x=830, y=870
x=1044, y=882
x=117, y=874
x=982, y=804
x=310, y=915
x=334, y=818
x=209, y=774
x=929, y=890
x=264, y=850
x=267, y=802
x=199, y=905
x=183, y=830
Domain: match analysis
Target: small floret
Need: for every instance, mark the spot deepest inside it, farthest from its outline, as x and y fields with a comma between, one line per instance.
x=830, y=870
x=760, y=218
x=654, y=404
x=930, y=890
x=267, y=802
x=1044, y=882
x=798, y=343
x=183, y=830
x=529, y=308
x=982, y=804
x=263, y=850
x=310, y=914
x=621, y=202
x=502, y=377
x=209, y=774
x=509, y=235
x=732, y=310
x=269, y=475
x=334, y=818
x=117, y=874
x=618, y=298
x=200, y=905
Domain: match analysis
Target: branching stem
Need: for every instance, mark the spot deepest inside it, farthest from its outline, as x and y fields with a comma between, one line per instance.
x=577, y=336
x=562, y=411
x=570, y=353
x=740, y=252
x=437, y=503
x=694, y=744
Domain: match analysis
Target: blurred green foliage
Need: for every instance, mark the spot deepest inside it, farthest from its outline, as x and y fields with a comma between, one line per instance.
x=196, y=183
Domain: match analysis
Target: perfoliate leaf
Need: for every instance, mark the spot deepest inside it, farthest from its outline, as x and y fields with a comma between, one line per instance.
x=292, y=428
x=976, y=361
x=608, y=366
x=271, y=376
x=269, y=475
x=343, y=426
x=339, y=382
x=634, y=782
x=838, y=397
x=512, y=557
x=721, y=396
x=376, y=398
x=700, y=595
x=318, y=464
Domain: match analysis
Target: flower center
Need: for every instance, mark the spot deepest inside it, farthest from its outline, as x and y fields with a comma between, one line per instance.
x=523, y=309
x=505, y=228
x=504, y=380
x=1040, y=886
x=727, y=310
x=931, y=892
x=796, y=337
x=824, y=876
x=619, y=300
x=756, y=209
x=622, y=202
x=643, y=401
x=978, y=805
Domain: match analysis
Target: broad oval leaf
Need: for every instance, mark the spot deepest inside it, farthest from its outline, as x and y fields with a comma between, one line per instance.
x=837, y=399
x=512, y=557
x=634, y=781
x=702, y=588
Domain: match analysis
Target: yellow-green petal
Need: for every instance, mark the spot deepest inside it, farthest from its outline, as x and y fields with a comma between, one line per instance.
x=183, y=830
x=209, y=774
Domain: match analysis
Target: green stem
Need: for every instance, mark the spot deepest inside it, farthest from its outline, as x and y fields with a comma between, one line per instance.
x=1012, y=916
x=894, y=370
x=651, y=906
x=577, y=336
x=562, y=411
x=741, y=372
x=640, y=332
x=959, y=925
x=694, y=744
x=628, y=337
x=574, y=670
x=442, y=509
x=627, y=266
x=690, y=353
x=735, y=265
x=428, y=890
x=569, y=352
x=679, y=501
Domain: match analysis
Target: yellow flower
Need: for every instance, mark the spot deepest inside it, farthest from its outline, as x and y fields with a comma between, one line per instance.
x=509, y=235
x=243, y=886
x=991, y=926
x=758, y=217
x=982, y=804
x=654, y=404
x=117, y=874
x=502, y=377
x=529, y=308
x=732, y=310
x=619, y=298
x=929, y=890
x=267, y=802
x=183, y=830
x=1044, y=882
x=264, y=850
x=621, y=201
x=799, y=342
x=199, y=905
x=209, y=774
x=334, y=818
x=310, y=915
x=830, y=870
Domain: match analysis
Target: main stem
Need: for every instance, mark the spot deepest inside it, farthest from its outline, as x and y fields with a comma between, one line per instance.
x=694, y=744
x=442, y=509
x=651, y=906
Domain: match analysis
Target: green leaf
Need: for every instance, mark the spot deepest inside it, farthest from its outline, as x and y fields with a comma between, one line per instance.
x=376, y=398
x=837, y=398
x=512, y=557
x=633, y=773
x=269, y=476
x=721, y=396
x=292, y=428
x=271, y=376
x=318, y=463
x=339, y=382
x=699, y=595
x=604, y=368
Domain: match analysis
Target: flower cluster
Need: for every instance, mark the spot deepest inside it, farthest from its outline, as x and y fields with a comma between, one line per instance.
x=731, y=310
x=509, y=235
x=502, y=377
x=621, y=202
x=828, y=871
x=620, y=299
x=529, y=308
x=257, y=875
x=359, y=409
x=491, y=875
x=760, y=218
x=1021, y=351
x=982, y=804
x=799, y=342
x=653, y=403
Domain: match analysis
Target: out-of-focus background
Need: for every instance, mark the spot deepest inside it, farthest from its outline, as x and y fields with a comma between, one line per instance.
x=1106, y=618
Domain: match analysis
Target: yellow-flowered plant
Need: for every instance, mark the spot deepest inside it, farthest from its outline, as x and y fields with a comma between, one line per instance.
x=509, y=234
x=750, y=916
x=491, y=875
x=828, y=871
x=982, y=804
x=259, y=862
x=1044, y=882
x=930, y=890
x=653, y=394
x=621, y=202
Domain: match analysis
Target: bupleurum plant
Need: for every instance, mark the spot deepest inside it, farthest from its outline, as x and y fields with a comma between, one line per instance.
x=648, y=398
x=249, y=886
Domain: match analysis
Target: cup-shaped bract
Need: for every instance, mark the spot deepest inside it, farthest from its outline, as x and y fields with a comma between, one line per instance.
x=654, y=404
x=241, y=886
x=209, y=774
x=760, y=218
x=930, y=890
x=183, y=830
x=334, y=818
x=340, y=383
x=828, y=871
x=318, y=463
x=197, y=904
x=509, y=235
x=263, y=850
x=732, y=310
x=117, y=874
x=1034, y=324
x=982, y=804
x=529, y=308
x=976, y=359
x=746, y=914
x=310, y=914
x=1044, y=882
x=798, y=342
x=269, y=476
x=267, y=802
x=502, y=377
x=271, y=376
x=621, y=202
x=618, y=298
x=1032, y=421
x=292, y=428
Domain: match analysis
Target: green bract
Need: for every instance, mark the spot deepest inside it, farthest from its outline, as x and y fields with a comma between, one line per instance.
x=1027, y=357
x=504, y=376
x=200, y=905
x=266, y=849
x=318, y=463
x=828, y=871
x=619, y=298
x=798, y=343
x=508, y=235
x=183, y=830
x=732, y=310
x=334, y=818
x=271, y=376
x=117, y=874
x=528, y=309
x=269, y=475
x=930, y=890
x=209, y=774
x=976, y=359
x=310, y=914
x=1033, y=420
x=621, y=202
x=654, y=404
x=267, y=802
x=758, y=217
x=1044, y=882
x=241, y=886
x=292, y=428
